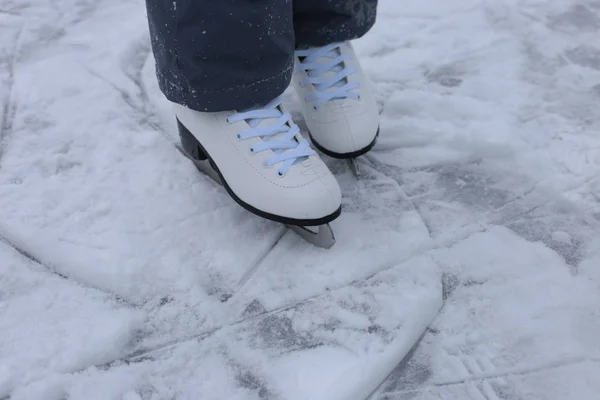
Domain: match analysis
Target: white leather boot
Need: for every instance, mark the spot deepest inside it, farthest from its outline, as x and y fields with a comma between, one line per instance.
x=337, y=99
x=264, y=163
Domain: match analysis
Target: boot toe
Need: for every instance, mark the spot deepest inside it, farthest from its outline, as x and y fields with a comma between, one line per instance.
x=347, y=136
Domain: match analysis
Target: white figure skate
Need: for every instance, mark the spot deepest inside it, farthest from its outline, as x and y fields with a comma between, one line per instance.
x=266, y=166
x=338, y=101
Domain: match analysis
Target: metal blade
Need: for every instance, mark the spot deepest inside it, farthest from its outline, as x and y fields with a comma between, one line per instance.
x=353, y=164
x=322, y=237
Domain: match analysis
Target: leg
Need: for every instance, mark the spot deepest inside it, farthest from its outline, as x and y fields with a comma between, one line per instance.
x=320, y=22
x=216, y=55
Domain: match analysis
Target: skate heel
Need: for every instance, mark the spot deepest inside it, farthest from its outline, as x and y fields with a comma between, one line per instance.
x=190, y=144
x=191, y=148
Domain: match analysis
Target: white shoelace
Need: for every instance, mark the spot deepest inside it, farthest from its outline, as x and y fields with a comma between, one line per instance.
x=329, y=78
x=281, y=135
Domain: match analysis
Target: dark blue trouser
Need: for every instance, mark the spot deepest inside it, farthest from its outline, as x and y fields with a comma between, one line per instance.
x=216, y=55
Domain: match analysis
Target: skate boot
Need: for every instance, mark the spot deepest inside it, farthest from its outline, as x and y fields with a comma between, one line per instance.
x=338, y=102
x=266, y=166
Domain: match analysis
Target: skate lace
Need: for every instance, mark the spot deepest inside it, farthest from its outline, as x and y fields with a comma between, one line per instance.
x=329, y=78
x=278, y=133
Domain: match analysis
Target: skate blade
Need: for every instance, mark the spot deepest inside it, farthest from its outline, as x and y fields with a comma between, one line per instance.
x=319, y=236
x=354, y=167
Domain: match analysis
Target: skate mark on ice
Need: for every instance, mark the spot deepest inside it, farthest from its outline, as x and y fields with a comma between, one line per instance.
x=462, y=183
x=132, y=66
x=259, y=259
x=30, y=257
x=11, y=12
x=413, y=375
x=481, y=204
x=531, y=212
x=497, y=376
x=413, y=372
x=267, y=325
x=128, y=99
x=248, y=380
x=82, y=10
x=394, y=175
x=401, y=369
x=85, y=10
x=146, y=353
x=9, y=106
x=51, y=269
x=560, y=225
x=475, y=366
x=407, y=379
x=13, y=9
x=273, y=335
x=256, y=314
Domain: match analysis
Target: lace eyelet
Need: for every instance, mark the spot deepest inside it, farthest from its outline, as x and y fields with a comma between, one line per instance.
x=252, y=151
x=280, y=174
x=239, y=136
x=315, y=108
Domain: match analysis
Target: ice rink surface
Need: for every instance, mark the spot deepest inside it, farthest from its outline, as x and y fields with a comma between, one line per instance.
x=467, y=263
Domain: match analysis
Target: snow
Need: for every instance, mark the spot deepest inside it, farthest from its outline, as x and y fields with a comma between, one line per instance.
x=51, y=325
x=466, y=263
x=494, y=338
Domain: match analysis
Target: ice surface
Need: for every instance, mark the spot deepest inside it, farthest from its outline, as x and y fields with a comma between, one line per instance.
x=336, y=346
x=511, y=327
x=124, y=274
x=50, y=325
